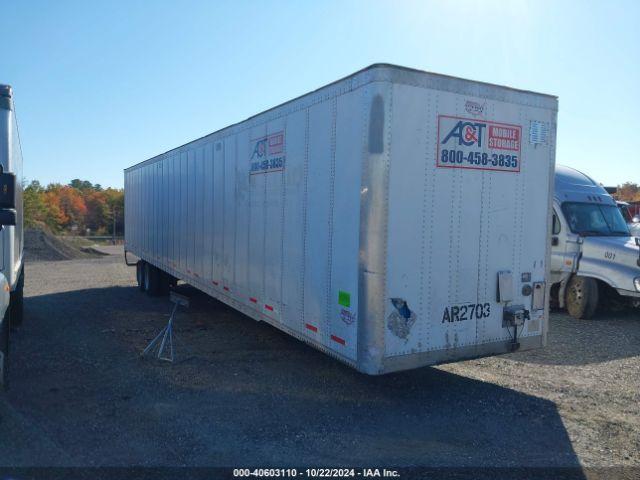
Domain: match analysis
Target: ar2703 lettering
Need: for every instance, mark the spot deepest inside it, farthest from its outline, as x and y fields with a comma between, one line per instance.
x=460, y=313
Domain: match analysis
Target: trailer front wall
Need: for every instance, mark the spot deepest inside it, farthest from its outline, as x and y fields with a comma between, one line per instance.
x=279, y=244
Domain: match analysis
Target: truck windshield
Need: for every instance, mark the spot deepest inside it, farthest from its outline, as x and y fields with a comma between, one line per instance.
x=595, y=220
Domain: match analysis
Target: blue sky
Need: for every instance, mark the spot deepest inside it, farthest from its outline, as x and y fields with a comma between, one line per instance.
x=102, y=85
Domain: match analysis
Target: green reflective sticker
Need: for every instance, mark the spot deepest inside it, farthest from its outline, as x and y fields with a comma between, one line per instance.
x=344, y=298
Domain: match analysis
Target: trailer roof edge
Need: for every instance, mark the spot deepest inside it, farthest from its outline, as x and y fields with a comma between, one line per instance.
x=363, y=70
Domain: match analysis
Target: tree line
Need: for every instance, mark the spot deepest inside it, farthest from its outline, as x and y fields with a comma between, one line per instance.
x=80, y=208
x=628, y=192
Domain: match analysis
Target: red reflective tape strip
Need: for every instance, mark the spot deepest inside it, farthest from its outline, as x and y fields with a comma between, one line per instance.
x=226, y=288
x=311, y=327
x=214, y=282
x=197, y=275
x=269, y=307
x=254, y=300
x=338, y=340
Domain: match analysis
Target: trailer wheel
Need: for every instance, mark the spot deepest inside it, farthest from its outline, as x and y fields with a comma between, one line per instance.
x=17, y=302
x=164, y=283
x=140, y=275
x=152, y=280
x=582, y=297
x=5, y=331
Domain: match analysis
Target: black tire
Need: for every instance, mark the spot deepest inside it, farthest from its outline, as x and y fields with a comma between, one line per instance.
x=582, y=297
x=140, y=275
x=17, y=302
x=164, y=282
x=149, y=285
x=152, y=280
x=5, y=333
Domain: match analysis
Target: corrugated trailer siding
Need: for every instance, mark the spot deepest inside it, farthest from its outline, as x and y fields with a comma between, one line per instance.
x=272, y=245
x=350, y=123
x=282, y=244
x=318, y=218
x=294, y=206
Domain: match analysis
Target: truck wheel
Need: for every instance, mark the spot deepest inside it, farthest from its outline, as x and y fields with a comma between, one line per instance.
x=17, y=302
x=140, y=274
x=5, y=330
x=582, y=297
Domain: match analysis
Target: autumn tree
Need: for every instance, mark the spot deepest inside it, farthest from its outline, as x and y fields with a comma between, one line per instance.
x=98, y=213
x=628, y=192
x=80, y=204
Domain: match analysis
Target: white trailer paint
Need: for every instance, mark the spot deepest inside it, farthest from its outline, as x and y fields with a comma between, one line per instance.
x=314, y=215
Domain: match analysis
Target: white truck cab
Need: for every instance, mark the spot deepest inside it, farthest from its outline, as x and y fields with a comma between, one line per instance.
x=11, y=237
x=594, y=257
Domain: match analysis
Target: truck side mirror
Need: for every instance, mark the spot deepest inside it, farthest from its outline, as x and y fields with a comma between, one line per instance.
x=7, y=191
x=8, y=217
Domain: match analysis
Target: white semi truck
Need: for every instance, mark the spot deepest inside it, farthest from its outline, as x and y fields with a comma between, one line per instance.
x=595, y=258
x=392, y=219
x=11, y=235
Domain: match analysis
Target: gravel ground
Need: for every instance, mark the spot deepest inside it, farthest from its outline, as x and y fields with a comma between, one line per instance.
x=242, y=392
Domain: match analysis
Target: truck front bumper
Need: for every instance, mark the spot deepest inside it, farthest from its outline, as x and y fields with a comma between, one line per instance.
x=628, y=293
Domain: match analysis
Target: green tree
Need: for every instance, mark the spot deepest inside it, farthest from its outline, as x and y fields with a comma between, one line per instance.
x=81, y=184
x=35, y=208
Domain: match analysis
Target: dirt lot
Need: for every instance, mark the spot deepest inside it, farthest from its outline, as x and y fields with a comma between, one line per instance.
x=243, y=393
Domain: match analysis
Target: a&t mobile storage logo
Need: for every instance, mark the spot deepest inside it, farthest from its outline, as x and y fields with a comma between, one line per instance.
x=268, y=153
x=478, y=144
x=467, y=133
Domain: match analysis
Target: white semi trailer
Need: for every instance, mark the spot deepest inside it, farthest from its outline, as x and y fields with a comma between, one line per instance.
x=392, y=219
x=11, y=237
